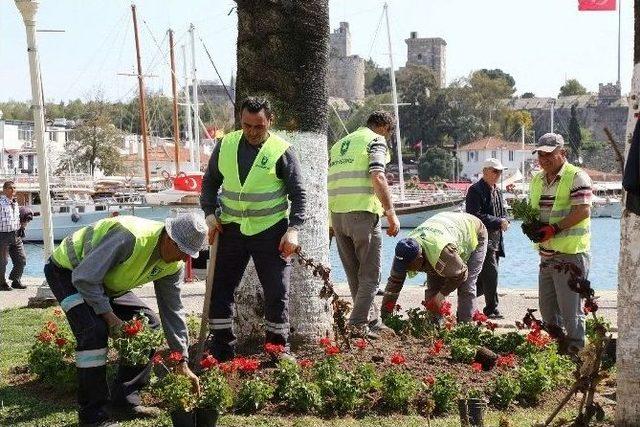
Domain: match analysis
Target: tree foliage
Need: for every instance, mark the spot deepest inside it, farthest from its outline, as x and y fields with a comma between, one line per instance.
x=436, y=163
x=528, y=95
x=572, y=87
x=498, y=74
x=513, y=121
x=575, y=134
x=376, y=79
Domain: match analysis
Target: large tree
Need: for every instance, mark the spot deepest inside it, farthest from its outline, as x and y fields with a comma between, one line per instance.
x=437, y=163
x=628, y=350
x=572, y=87
x=283, y=54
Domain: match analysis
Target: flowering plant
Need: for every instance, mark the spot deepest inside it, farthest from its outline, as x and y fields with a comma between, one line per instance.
x=216, y=393
x=135, y=340
x=51, y=356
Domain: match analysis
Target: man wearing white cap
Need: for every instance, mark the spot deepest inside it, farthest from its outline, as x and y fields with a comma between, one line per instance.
x=484, y=200
x=92, y=272
x=562, y=192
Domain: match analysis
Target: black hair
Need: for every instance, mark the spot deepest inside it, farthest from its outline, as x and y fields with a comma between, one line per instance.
x=7, y=184
x=254, y=104
x=380, y=118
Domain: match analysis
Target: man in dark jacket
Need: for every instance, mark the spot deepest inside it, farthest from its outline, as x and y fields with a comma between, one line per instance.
x=484, y=200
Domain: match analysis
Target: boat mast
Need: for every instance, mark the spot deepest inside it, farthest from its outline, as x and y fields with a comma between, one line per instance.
x=187, y=104
x=196, y=106
x=392, y=76
x=174, y=92
x=143, y=113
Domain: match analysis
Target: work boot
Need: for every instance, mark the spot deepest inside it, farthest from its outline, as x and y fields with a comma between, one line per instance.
x=5, y=287
x=16, y=284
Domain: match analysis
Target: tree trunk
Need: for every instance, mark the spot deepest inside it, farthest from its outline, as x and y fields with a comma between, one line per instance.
x=628, y=350
x=283, y=54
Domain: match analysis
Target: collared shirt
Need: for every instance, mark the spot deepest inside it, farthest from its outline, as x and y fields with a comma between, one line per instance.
x=9, y=215
x=377, y=154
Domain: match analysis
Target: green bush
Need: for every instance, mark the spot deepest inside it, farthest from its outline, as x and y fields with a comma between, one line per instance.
x=253, y=395
x=215, y=393
x=462, y=350
x=395, y=322
x=444, y=393
x=341, y=390
x=286, y=375
x=504, y=343
x=541, y=371
x=503, y=390
x=590, y=326
x=368, y=377
x=303, y=397
x=533, y=382
x=398, y=389
x=470, y=331
x=421, y=323
x=50, y=364
x=175, y=392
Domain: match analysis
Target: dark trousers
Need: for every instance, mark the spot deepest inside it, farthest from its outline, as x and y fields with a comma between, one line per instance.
x=234, y=251
x=91, y=333
x=488, y=282
x=11, y=246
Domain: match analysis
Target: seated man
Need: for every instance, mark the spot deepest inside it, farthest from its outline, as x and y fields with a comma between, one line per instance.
x=450, y=247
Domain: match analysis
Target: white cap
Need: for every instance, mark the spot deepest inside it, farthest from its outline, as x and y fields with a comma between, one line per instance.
x=493, y=164
x=189, y=231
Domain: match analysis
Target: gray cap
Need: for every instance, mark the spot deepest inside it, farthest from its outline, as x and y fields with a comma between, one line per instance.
x=189, y=231
x=549, y=142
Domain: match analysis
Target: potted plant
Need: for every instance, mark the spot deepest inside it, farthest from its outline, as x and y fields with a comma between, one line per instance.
x=521, y=209
x=175, y=392
x=135, y=341
x=215, y=394
x=471, y=408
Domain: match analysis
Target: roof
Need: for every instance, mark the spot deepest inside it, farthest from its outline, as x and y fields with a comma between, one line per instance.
x=597, y=175
x=493, y=143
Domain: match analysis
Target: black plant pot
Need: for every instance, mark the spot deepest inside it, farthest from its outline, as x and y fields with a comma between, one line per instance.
x=206, y=417
x=486, y=358
x=472, y=412
x=183, y=419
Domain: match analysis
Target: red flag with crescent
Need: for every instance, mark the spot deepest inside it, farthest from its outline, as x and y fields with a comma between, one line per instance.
x=597, y=5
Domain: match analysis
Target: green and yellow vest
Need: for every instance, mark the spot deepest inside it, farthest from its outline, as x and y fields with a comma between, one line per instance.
x=458, y=229
x=576, y=239
x=261, y=201
x=349, y=182
x=141, y=267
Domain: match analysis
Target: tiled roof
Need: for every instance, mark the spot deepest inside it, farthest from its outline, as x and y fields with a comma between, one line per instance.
x=493, y=143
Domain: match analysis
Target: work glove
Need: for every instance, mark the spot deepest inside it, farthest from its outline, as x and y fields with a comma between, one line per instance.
x=547, y=231
x=532, y=232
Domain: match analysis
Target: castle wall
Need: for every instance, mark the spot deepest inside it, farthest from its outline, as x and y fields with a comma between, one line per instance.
x=346, y=78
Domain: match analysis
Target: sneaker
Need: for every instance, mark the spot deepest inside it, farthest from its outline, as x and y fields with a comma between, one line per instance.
x=5, y=287
x=16, y=284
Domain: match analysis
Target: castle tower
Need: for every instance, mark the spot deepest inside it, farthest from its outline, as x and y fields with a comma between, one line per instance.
x=430, y=53
x=346, y=71
x=340, y=41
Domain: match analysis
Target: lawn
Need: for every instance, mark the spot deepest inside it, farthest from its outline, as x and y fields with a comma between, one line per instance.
x=25, y=402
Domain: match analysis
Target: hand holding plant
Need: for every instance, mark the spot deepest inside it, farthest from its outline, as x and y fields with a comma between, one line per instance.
x=135, y=340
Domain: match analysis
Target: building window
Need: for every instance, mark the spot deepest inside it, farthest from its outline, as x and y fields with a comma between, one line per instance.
x=511, y=155
x=476, y=155
x=494, y=154
x=419, y=57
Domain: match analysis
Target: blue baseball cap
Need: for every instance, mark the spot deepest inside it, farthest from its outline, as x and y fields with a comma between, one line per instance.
x=407, y=250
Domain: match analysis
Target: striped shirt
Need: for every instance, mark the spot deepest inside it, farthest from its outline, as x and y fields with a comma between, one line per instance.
x=9, y=215
x=377, y=155
x=580, y=194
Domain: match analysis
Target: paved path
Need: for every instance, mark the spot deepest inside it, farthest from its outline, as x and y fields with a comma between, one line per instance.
x=513, y=302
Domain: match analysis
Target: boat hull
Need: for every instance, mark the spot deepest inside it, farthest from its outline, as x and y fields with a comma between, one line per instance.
x=411, y=217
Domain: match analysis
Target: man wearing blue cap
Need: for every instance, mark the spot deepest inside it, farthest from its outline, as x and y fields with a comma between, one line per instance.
x=450, y=247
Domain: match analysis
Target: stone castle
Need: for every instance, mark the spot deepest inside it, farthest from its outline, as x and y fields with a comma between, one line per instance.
x=430, y=53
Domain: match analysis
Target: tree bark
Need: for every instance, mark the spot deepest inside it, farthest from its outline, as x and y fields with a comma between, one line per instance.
x=282, y=54
x=628, y=348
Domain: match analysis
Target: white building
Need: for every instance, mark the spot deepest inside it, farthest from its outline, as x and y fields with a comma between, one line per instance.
x=510, y=154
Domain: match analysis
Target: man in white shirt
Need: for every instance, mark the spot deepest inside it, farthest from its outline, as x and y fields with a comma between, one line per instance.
x=10, y=241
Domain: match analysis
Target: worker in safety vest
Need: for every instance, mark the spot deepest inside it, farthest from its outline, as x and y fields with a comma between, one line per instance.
x=562, y=192
x=450, y=247
x=92, y=272
x=358, y=196
x=257, y=174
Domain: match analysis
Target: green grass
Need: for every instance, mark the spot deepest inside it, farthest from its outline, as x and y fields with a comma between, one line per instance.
x=31, y=404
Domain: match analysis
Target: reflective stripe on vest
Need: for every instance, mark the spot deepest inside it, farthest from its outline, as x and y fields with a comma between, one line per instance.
x=576, y=239
x=349, y=182
x=456, y=228
x=261, y=201
x=143, y=265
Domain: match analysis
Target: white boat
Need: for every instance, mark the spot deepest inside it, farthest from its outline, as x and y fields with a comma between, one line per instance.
x=606, y=207
x=420, y=204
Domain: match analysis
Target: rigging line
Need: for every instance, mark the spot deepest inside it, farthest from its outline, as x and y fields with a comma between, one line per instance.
x=375, y=35
x=216, y=69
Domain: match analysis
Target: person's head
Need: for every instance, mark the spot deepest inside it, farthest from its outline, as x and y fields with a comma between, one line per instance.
x=408, y=256
x=255, y=118
x=9, y=189
x=184, y=236
x=492, y=170
x=381, y=123
x=551, y=152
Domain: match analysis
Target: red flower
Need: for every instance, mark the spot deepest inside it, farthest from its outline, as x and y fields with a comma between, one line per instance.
x=132, y=327
x=270, y=348
x=325, y=342
x=491, y=325
x=429, y=379
x=390, y=306
x=45, y=336
x=508, y=361
x=332, y=350
x=538, y=338
x=430, y=305
x=397, y=358
x=246, y=365
x=61, y=341
x=438, y=345
x=480, y=317
x=590, y=306
x=361, y=344
x=445, y=308
x=535, y=325
x=208, y=362
x=305, y=363
x=520, y=325
x=228, y=367
x=175, y=356
x=157, y=358
x=477, y=367
x=51, y=327
x=58, y=312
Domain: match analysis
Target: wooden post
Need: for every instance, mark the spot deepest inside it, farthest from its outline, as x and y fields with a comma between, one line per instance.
x=143, y=113
x=204, y=321
x=174, y=91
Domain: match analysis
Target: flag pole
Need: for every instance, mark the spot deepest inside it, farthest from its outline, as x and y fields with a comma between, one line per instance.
x=619, y=26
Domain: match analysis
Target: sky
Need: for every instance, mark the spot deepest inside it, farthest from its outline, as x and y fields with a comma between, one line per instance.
x=541, y=43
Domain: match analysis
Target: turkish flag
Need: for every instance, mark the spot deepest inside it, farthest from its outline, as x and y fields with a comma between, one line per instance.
x=596, y=4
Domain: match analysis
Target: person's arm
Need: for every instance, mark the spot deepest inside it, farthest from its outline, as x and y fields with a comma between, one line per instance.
x=171, y=312
x=395, y=282
x=377, y=150
x=473, y=205
x=88, y=277
x=211, y=183
x=288, y=170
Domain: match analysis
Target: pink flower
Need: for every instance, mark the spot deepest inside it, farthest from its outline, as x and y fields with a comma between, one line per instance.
x=491, y=325
x=208, y=362
x=132, y=327
x=275, y=349
x=325, y=342
x=247, y=364
x=438, y=345
x=58, y=312
x=305, y=363
x=361, y=344
x=477, y=367
x=332, y=350
x=390, y=306
x=397, y=358
x=538, y=338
